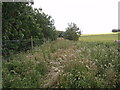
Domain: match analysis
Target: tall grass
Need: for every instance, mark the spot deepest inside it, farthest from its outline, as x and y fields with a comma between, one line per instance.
x=97, y=66
x=85, y=65
x=26, y=70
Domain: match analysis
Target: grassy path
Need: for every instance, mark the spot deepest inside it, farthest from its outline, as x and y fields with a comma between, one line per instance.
x=56, y=66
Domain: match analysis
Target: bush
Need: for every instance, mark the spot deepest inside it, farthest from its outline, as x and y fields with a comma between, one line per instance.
x=72, y=32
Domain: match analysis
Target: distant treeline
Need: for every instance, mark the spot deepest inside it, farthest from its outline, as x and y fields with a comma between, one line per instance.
x=116, y=30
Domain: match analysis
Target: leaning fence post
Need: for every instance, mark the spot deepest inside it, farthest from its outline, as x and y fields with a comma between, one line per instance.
x=31, y=42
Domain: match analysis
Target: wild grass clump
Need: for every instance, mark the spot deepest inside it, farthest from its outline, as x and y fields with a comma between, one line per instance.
x=23, y=73
x=27, y=69
x=97, y=67
x=83, y=65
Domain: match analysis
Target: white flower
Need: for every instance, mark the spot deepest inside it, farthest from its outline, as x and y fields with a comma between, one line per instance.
x=65, y=55
x=87, y=66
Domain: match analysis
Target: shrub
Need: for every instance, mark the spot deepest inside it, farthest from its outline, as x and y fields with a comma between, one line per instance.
x=72, y=32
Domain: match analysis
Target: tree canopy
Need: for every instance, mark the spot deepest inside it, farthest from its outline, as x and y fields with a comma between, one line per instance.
x=72, y=32
x=21, y=22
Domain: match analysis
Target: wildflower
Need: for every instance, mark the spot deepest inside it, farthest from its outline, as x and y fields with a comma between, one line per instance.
x=56, y=69
x=87, y=67
x=37, y=62
x=12, y=71
x=105, y=65
x=65, y=55
x=96, y=60
x=59, y=58
x=110, y=64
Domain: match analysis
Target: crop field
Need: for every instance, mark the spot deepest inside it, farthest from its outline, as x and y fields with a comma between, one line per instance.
x=66, y=64
x=110, y=37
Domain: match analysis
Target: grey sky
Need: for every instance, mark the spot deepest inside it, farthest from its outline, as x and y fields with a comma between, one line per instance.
x=92, y=16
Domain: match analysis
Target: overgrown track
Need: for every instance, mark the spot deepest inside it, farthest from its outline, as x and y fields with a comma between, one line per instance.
x=65, y=64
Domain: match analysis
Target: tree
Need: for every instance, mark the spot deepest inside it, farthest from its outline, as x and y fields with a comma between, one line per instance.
x=15, y=26
x=45, y=22
x=20, y=22
x=72, y=32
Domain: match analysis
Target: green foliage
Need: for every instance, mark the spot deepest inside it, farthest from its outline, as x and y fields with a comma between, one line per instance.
x=60, y=33
x=20, y=22
x=72, y=32
x=24, y=71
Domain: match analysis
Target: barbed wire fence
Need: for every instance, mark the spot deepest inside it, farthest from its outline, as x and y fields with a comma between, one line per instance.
x=10, y=46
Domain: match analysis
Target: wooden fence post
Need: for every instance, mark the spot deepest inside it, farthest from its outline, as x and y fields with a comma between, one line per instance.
x=31, y=42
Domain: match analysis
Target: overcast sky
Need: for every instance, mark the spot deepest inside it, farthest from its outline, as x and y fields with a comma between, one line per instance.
x=91, y=16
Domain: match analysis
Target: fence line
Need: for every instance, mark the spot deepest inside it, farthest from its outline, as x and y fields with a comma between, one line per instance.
x=22, y=40
x=31, y=40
